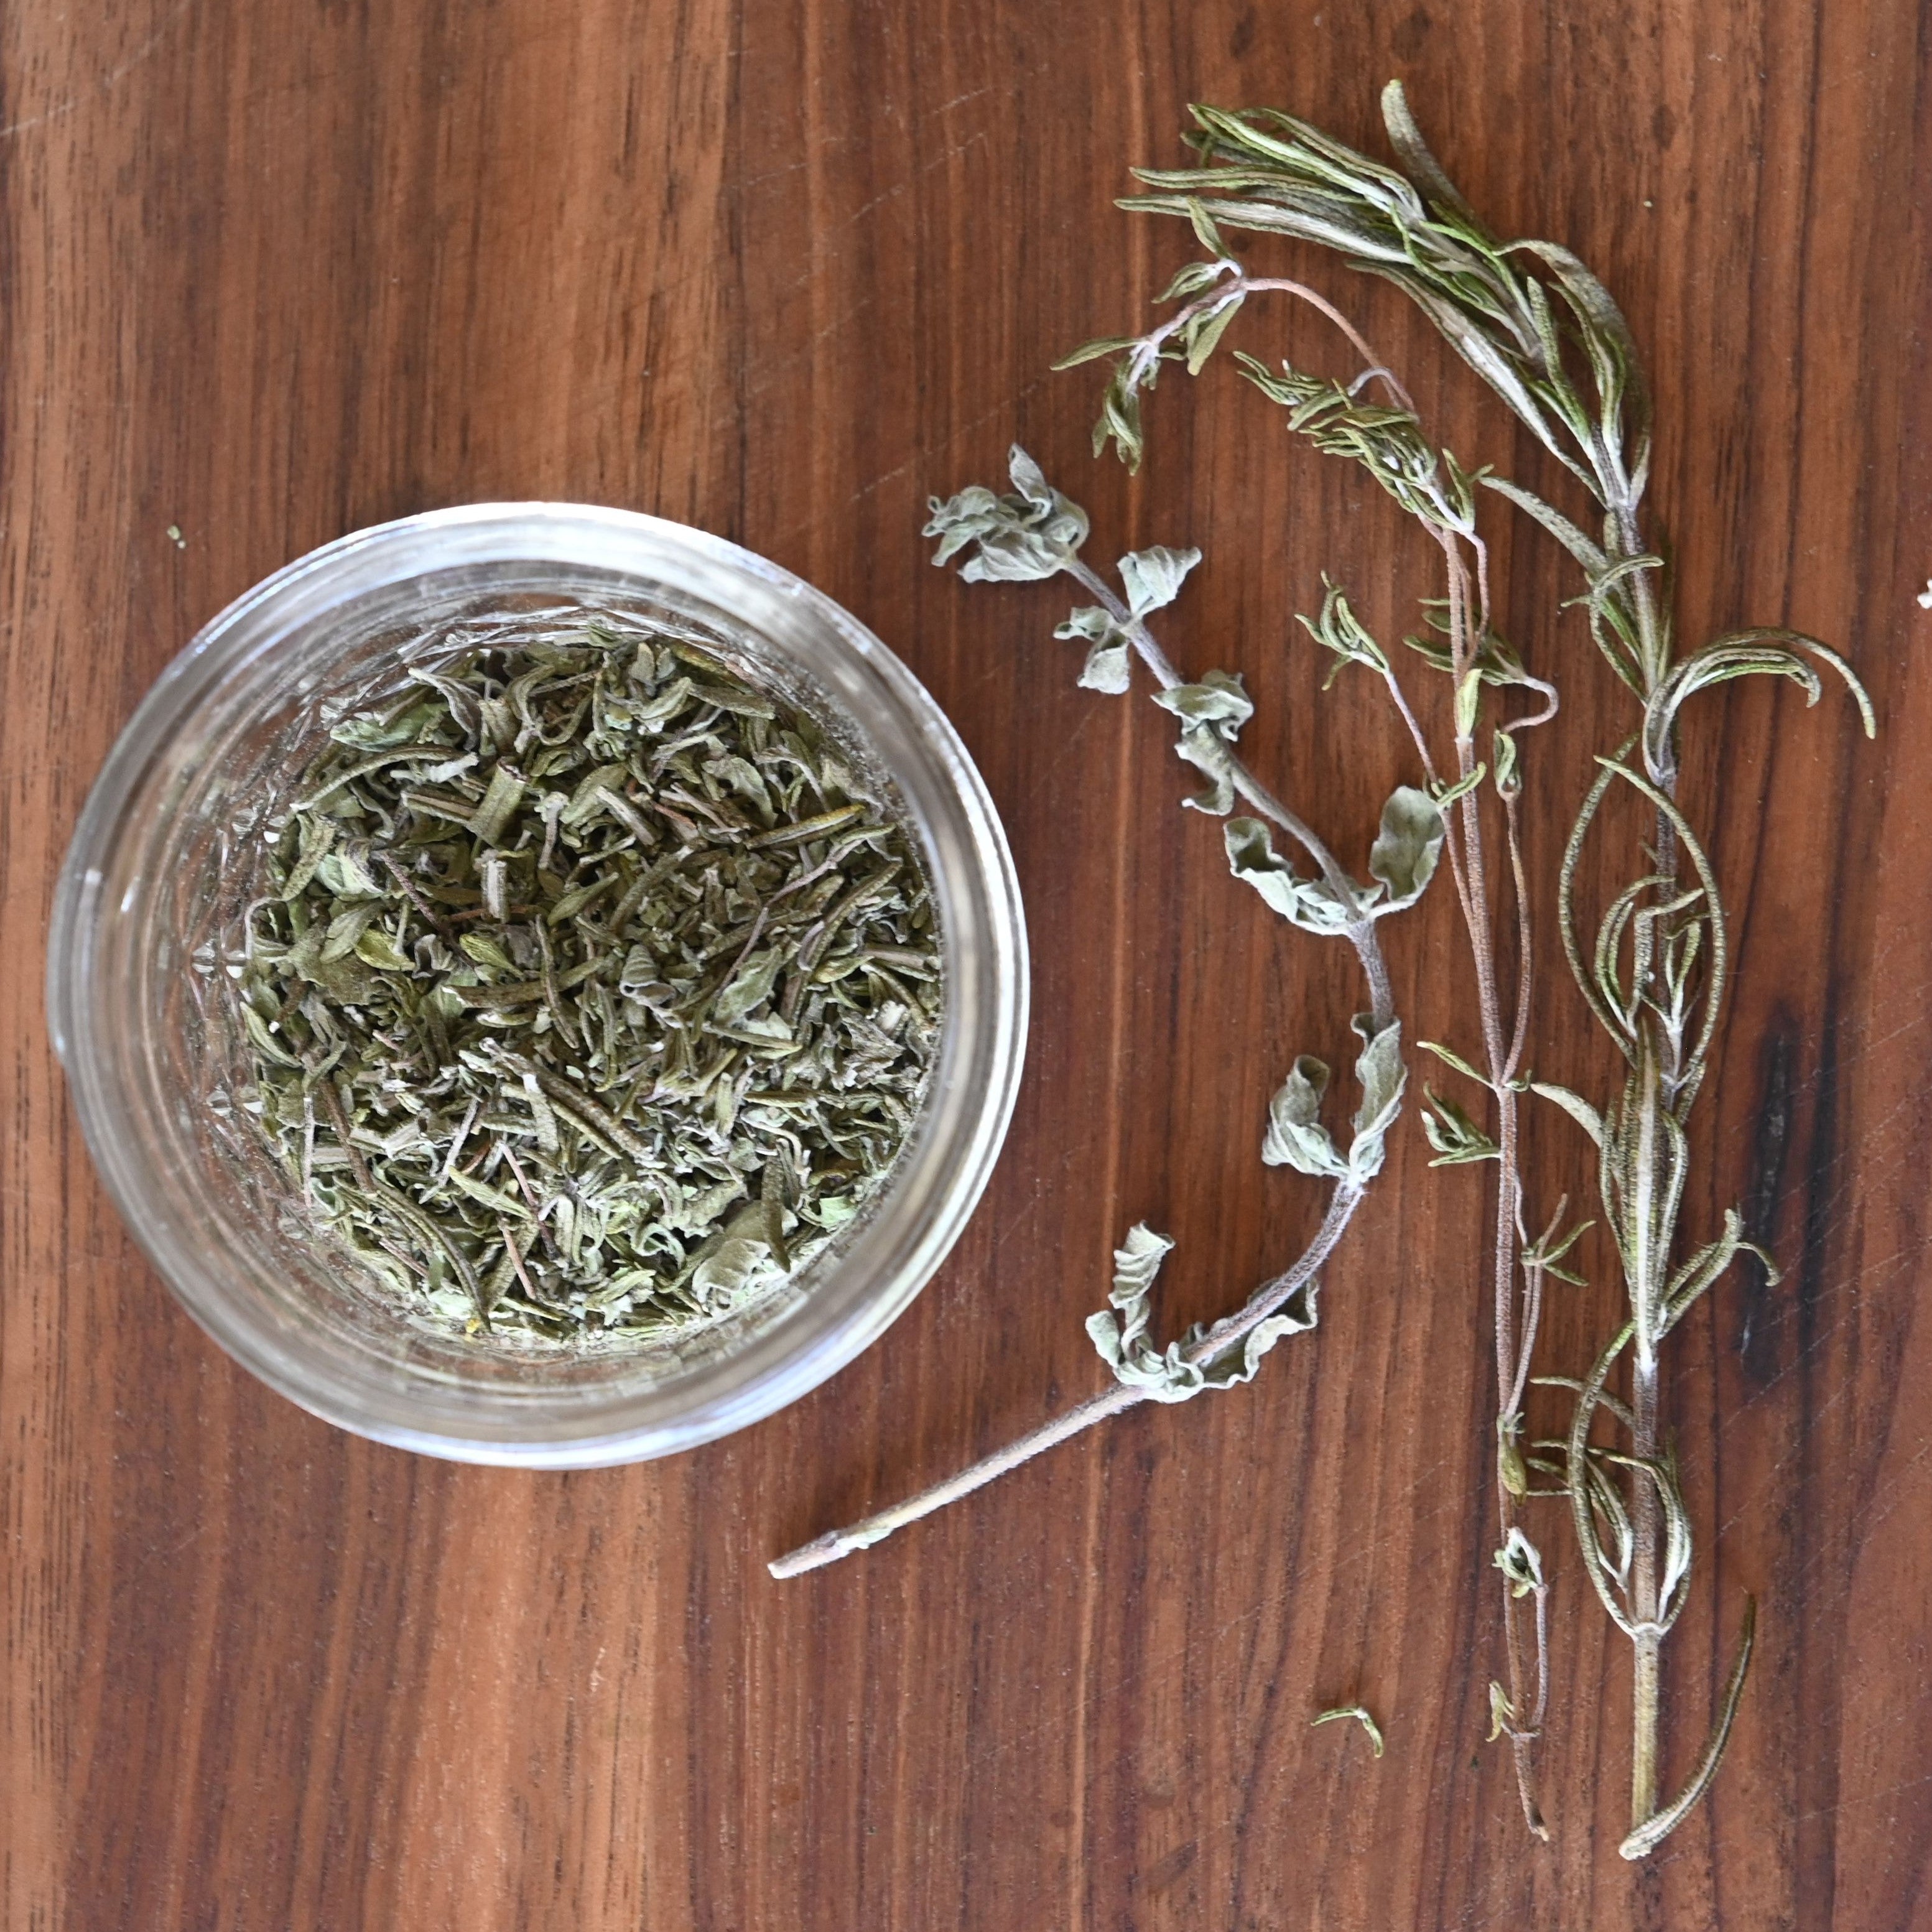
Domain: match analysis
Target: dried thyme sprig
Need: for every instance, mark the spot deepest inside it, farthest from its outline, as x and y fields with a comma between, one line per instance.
x=1546, y=335
x=594, y=992
x=1036, y=533
x=1387, y=439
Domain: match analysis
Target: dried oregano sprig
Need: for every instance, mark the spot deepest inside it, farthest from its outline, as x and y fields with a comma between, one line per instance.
x=594, y=992
x=1547, y=337
x=1036, y=533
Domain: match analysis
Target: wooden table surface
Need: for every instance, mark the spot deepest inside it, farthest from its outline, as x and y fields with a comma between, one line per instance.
x=269, y=273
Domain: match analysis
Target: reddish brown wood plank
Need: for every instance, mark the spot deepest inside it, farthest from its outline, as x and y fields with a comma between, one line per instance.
x=269, y=274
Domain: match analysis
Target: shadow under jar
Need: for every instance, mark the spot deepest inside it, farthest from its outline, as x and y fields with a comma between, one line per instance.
x=172, y=849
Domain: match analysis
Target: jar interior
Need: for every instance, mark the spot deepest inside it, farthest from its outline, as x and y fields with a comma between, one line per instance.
x=203, y=813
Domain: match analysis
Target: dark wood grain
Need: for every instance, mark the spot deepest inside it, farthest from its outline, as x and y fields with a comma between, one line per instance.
x=269, y=273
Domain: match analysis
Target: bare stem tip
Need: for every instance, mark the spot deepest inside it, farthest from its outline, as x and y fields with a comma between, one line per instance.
x=819, y=1551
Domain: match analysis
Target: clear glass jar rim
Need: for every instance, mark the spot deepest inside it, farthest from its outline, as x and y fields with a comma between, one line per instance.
x=840, y=1318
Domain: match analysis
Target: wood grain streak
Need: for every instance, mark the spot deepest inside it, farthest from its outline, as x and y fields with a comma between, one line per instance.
x=271, y=273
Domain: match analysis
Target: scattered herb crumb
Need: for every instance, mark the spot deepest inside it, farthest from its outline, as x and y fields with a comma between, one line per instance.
x=1360, y=1714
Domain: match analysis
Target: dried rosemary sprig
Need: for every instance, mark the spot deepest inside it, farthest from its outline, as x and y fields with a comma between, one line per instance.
x=1036, y=533
x=1547, y=337
x=594, y=992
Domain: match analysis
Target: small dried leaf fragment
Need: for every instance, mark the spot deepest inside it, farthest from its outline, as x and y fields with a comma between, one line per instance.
x=1360, y=1714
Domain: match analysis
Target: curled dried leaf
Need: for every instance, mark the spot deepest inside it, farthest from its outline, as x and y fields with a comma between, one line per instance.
x=1360, y=1713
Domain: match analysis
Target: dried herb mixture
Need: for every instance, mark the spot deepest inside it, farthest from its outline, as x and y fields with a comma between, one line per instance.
x=596, y=990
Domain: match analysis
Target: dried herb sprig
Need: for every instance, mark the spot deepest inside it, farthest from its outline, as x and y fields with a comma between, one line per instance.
x=1036, y=533
x=1542, y=332
x=1387, y=440
x=594, y=992
x=1486, y=674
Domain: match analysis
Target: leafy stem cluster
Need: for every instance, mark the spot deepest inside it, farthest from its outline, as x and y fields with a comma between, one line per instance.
x=1546, y=338
x=1034, y=532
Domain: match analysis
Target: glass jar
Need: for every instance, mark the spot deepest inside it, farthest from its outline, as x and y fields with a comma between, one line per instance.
x=170, y=854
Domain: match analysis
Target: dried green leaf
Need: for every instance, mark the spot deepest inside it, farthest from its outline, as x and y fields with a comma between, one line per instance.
x=1119, y=1333
x=1109, y=665
x=1035, y=533
x=1521, y=1563
x=749, y=987
x=1338, y=629
x=1579, y=1109
x=1762, y=653
x=1445, y=796
x=1119, y=422
x=1509, y=781
x=1205, y=232
x=1456, y=1139
x=732, y=1271
x=1295, y=1136
x=1382, y=1076
x=1307, y=903
x=1502, y=1712
x=1360, y=1715
x=1206, y=750
x=1219, y=700
x=1212, y=713
x=1203, y=335
x=1189, y=280
x=556, y=946
x=1091, y=352
x=1469, y=699
x=1153, y=577
x=1450, y=1057
x=1404, y=856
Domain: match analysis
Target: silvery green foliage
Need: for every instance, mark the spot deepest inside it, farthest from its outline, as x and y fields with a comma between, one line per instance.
x=1765, y=651
x=1517, y=312
x=1509, y=309
x=1153, y=577
x=1295, y=1136
x=1308, y=903
x=594, y=993
x=1360, y=1712
x=1403, y=861
x=1539, y=328
x=1382, y=1076
x=1456, y=1139
x=1120, y=1331
x=1521, y=1563
x=1403, y=857
x=1034, y=533
x=1109, y=665
x=1387, y=442
x=1340, y=631
x=1211, y=713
